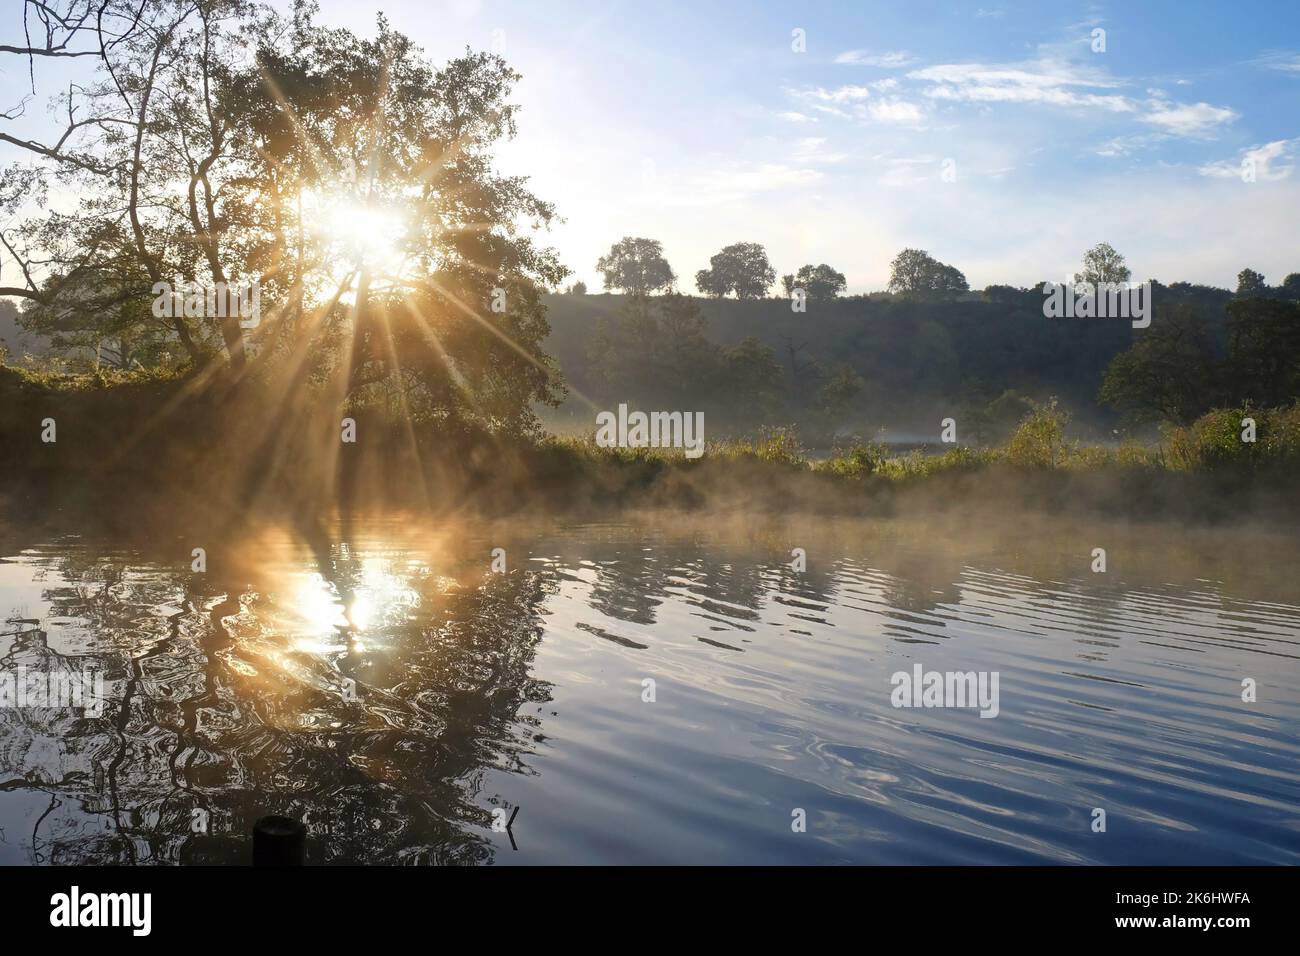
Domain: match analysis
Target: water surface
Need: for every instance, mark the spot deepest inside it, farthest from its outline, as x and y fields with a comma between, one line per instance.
x=378, y=681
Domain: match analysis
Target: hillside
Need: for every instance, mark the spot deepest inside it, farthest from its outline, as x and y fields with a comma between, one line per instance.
x=914, y=361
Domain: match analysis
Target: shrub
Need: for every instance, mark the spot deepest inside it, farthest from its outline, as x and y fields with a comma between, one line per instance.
x=857, y=461
x=778, y=445
x=1039, y=439
x=1214, y=440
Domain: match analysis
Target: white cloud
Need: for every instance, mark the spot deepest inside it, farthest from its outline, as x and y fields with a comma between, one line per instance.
x=893, y=60
x=793, y=116
x=894, y=110
x=1282, y=62
x=1272, y=161
x=1057, y=83
x=1126, y=145
x=842, y=94
x=1045, y=81
x=1187, y=119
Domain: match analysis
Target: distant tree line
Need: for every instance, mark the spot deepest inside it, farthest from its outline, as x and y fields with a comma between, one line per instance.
x=933, y=345
x=637, y=266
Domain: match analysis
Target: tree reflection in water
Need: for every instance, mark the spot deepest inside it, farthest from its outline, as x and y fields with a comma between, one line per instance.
x=226, y=702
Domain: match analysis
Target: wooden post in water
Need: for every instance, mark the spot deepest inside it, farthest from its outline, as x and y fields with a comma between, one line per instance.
x=279, y=841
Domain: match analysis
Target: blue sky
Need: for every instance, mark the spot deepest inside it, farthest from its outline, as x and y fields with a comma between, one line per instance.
x=697, y=124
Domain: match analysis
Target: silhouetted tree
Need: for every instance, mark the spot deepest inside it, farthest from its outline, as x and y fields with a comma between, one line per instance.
x=818, y=282
x=213, y=135
x=1291, y=287
x=636, y=266
x=741, y=268
x=1251, y=285
x=915, y=272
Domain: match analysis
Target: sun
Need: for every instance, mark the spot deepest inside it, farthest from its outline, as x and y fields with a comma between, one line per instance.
x=358, y=233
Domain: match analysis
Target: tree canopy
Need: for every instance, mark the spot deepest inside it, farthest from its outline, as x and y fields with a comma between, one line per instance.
x=636, y=266
x=1102, y=264
x=226, y=142
x=741, y=268
x=914, y=272
x=819, y=283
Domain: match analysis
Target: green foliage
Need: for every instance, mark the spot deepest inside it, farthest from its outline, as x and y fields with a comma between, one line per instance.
x=636, y=266
x=778, y=445
x=1102, y=263
x=914, y=272
x=1170, y=372
x=1215, y=440
x=741, y=268
x=1251, y=285
x=1039, y=440
x=819, y=283
x=839, y=391
x=260, y=126
x=859, y=460
x=910, y=354
x=1263, y=363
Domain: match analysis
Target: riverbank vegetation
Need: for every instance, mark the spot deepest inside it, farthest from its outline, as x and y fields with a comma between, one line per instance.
x=148, y=439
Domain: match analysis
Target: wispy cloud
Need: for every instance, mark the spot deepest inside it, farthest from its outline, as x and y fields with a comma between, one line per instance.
x=1058, y=83
x=895, y=110
x=842, y=94
x=893, y=60
x=858, y=102
x=1272, y=161
x=1049, y=82
x=1283, y=62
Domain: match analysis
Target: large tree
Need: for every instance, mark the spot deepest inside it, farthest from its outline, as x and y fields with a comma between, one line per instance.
x=819, y=283
x=741, y=268
x=1251, y=285
x=1102, y=264
x=224, y=141
x=636, y=266
x=914, y=272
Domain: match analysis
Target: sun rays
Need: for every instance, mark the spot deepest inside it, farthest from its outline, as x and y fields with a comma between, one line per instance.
x=358, y=234
x=379, y=272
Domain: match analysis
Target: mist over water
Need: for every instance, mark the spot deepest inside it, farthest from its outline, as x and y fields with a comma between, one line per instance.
x=228, y=692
